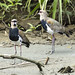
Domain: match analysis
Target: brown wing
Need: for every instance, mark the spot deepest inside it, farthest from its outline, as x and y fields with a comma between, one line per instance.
x=55, y=25
x=25, y=39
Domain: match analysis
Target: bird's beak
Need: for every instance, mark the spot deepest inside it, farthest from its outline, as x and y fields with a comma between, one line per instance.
x=38, y=13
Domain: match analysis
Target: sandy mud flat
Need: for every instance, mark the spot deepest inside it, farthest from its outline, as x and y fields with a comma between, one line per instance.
x=64, y=56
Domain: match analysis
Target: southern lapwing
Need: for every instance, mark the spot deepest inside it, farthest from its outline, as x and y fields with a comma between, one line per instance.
x=51, y=26
x=18, y=37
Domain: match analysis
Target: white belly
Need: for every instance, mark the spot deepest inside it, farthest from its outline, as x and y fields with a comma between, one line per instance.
x=49, y=30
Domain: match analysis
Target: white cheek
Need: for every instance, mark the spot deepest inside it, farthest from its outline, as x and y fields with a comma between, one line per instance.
x=15, y=23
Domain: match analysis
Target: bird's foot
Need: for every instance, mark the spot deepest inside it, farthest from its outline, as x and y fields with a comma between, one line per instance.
x=50, y=52
x=14, y=62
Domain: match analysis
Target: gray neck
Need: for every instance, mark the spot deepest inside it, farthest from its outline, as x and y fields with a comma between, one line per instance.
x=43, y=17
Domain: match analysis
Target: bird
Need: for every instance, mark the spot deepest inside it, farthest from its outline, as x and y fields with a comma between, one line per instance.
x=51, y=26
x=17, y=36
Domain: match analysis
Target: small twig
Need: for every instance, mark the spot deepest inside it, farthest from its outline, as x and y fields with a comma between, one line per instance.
x=6, y=56
x=47, y=60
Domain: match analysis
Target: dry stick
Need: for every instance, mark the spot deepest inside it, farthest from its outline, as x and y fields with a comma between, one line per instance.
x=22, y=58
x=47, y=60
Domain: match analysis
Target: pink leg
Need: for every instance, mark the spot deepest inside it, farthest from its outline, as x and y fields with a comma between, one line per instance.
x=15, y=50
x=15, y=54
x=20, y=51
x=53, y=44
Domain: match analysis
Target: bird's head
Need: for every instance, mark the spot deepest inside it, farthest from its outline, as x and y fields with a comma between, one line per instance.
x=43, y=14
x=13, y=23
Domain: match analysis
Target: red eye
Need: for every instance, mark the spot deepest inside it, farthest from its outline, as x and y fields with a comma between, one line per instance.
x=40, y=11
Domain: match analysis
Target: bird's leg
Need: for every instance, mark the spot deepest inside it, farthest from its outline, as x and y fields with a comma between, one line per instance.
x=15, y=54
x=15, y=50
x=20, y=51
x=53, y=44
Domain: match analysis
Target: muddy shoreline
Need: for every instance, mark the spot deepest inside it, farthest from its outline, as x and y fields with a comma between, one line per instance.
x=40, y=45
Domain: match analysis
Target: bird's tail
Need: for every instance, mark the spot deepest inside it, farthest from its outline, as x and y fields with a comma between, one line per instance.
x=64, y=33
x=26, y=43
x=67, y=32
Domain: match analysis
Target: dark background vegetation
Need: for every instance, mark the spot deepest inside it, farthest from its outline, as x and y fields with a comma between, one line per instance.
x=26, y=9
